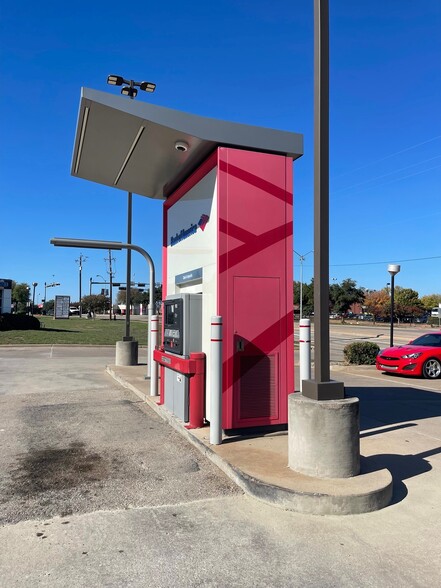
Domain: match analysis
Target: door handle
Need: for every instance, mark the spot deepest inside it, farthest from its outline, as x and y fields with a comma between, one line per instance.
x=240, y=345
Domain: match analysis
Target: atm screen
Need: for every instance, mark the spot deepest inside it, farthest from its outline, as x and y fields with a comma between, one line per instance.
x=172, y=314
x=173, y=325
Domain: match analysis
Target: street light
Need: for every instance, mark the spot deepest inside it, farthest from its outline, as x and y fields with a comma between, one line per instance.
x=34, y=285
x=117, y=246
x=52, y=285
x=130, y=91
x=80, y=262
x=393, y=270
x=302, y=259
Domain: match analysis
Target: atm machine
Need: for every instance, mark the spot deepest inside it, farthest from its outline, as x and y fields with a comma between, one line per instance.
x=182, y=317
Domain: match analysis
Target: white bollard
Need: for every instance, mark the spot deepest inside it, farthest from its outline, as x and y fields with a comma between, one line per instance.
x=305, y=350
x=216, y=381
x=154, y=366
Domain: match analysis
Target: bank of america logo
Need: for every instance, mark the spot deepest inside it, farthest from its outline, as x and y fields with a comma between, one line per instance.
x=203, y=221
x=185, y=233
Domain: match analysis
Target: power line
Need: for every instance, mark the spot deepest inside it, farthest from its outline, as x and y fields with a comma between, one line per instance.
x=382, y=262
x=388, y=156
x=390, y=174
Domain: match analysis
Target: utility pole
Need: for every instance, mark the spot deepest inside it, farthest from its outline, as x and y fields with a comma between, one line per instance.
x=111, y=276
x=80, y=262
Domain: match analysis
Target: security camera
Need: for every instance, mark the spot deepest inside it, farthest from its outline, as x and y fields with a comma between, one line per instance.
x=181, y=146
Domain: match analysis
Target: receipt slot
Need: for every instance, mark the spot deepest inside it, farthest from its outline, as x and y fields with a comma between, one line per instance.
x=181, y=357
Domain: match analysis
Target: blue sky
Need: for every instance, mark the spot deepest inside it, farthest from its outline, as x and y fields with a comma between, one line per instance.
x=245, y=61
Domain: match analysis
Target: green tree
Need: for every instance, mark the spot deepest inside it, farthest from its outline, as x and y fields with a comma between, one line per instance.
x=95, y=303
x=139, y=297
x=407, y=303
x=20, y=296
x=430, y=301
x=343, y=296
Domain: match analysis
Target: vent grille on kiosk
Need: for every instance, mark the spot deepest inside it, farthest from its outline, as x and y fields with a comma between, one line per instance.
x=258, y=387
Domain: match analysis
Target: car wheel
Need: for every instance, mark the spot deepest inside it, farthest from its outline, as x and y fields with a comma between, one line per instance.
x=432, y=369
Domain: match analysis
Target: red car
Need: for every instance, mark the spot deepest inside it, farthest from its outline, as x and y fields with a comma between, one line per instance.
x=421, y=357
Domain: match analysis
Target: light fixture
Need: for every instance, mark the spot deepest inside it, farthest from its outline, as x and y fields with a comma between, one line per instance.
x=129, y=91
x=147, y=86
x=129, y=155
x=83, y=132
x=115, y=80
x=181, y=146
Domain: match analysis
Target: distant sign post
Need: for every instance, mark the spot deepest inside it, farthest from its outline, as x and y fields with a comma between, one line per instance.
x=62, y=304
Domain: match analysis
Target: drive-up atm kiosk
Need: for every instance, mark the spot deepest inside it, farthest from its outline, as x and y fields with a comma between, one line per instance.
x=227, y=244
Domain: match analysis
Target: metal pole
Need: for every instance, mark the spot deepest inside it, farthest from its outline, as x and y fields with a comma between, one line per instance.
x=44, y=305
x=90, y=287
x=110, y=284
x=34, y=285
x=392, y=302
x=129, y=265
x=321, y=388
x=81, y=305
x=152, y=345
x=301, y=288
x=305, y=350
x=216, y=381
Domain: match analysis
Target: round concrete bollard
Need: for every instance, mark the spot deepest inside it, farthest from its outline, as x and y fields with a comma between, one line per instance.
x=126, y=353
x=324, y=437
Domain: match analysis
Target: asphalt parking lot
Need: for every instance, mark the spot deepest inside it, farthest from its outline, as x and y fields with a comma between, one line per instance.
x=96, y=490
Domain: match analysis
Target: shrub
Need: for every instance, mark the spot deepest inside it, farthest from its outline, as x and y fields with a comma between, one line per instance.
x=18, y=322
x=361, y=353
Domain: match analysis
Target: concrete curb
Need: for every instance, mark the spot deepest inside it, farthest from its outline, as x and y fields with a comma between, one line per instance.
x=361, y=494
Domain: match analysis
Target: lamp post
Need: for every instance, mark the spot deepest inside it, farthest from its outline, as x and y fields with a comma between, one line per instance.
x=117, y=245
x=129, y=89
x=393, y=270
x=301, y=259
x=80, y=262
x=34, y=285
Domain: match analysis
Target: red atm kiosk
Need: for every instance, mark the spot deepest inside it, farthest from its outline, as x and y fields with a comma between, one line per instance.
x=230, y=225
x=227, y=234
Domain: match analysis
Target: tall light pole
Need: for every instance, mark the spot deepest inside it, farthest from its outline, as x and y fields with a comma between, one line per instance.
x=80, y=262
x=301, y=259
x=34, y=285
x=393, y=270
x=129, y=89
x=321, y=388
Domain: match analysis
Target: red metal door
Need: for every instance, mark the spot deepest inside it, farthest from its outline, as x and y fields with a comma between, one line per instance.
x=256, y=320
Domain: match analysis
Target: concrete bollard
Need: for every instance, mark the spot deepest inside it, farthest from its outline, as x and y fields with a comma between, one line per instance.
x=324, y=436
x=126, y=353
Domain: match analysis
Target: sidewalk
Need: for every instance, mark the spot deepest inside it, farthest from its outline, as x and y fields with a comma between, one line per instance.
x=258, y=464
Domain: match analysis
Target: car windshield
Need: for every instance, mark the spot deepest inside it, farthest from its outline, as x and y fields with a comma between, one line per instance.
x=429, y=340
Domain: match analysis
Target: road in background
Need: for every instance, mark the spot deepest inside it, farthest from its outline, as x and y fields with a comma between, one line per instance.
x=343, y=334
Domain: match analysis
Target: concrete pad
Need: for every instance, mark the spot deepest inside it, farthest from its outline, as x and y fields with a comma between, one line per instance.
x=259, y=465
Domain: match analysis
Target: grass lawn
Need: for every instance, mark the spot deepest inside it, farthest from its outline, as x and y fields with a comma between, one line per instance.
x=76, y=331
